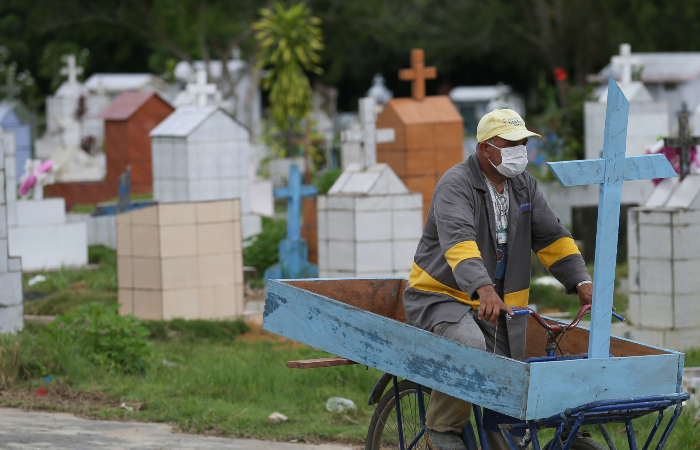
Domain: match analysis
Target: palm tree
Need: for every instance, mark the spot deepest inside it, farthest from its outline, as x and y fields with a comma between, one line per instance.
x=289, y=42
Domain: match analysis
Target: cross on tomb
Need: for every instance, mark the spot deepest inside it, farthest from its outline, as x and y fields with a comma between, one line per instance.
x=609, y=171
x=684, y=140
x=201, y=89
x=11, y=90
x=293, y=192
x=71, y=70
x=417, y=74
x=369, y=136
x=625, y=60
x=124, y=190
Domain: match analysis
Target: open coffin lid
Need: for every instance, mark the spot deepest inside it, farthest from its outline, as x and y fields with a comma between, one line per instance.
x=364, y=320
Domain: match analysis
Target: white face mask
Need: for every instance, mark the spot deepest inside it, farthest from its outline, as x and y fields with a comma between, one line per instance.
x=513, y=160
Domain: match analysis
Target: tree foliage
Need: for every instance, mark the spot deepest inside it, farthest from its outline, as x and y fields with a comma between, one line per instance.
x=289, y=41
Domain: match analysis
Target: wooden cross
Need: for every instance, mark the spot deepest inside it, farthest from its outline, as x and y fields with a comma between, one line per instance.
x=200, y=89
x=684, y=140
x=609, y=171
x=368, y=135
x=626, y=61
x=71, y=70
x=417, y=74
x=293, y=192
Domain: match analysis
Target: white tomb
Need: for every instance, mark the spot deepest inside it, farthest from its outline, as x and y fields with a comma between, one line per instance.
x=369, y=224
x=201, y=153
x=648, y=119
x=664, y=263
x=11, y=308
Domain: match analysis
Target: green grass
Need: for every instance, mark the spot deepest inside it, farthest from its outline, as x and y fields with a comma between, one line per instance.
x=220, y=387
x=68, y=300
x=100, y=279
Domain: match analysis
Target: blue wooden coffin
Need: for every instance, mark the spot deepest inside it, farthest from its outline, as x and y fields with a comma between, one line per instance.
x=364, y=320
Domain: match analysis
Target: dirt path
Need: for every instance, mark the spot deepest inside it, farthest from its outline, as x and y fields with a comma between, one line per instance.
x=52, y=431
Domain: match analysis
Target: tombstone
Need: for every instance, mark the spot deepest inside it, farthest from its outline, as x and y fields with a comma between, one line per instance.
x=369, y=224
x=11, y=297
x=245, y=104
x=609, y=173
x=380, y=92
x=648, y=119
x=663, y=255
x=362, y=142
x=181, y=260
x=429, y=133
x=293, y=251
x=473, y=102
x=201, y=153
x=37, y=230
x=23, y=134
x=128, y=120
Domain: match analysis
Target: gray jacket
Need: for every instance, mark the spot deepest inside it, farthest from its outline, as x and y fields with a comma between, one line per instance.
x=457, y=252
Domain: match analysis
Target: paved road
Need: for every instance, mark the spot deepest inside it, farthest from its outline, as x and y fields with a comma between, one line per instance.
x=52, y=431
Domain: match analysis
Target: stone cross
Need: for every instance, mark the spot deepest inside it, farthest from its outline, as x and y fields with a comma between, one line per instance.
x=368, y=135
x=684, y=140
x=417, y=74
x=124, y=190
x=71, y=70
x=625, y=60
x=293, y=192
x=11, y=89
x=609, y=171
x=201, y=89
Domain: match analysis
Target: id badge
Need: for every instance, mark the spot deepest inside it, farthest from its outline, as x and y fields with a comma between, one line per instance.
x=502, y=236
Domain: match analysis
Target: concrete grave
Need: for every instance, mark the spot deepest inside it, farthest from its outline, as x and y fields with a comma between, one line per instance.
x=11, y=308
x=201, y=153
x=664, y=263
x=128, y=120
x=369, y=224
x=429, y=133
x=181, y=260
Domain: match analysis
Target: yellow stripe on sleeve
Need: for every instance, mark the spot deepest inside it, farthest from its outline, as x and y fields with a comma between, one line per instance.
x=460, y=252
x=519, y=298
x=421, y=280
x=558, y=250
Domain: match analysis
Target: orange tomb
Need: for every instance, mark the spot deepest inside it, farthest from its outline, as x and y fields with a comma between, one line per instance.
x=128, y=120
x=429, y=133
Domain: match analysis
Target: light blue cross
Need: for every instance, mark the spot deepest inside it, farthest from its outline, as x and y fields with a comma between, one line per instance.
x=293, y=192
x=609, y=171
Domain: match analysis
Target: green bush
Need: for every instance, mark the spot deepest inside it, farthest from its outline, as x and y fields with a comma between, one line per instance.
x=263, y=250
x=114, y=342
x=325, y=182
x=192, y=330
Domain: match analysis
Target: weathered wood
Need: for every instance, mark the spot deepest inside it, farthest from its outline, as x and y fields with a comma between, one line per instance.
x=592, y=171
x=505, y=385
x=320, y=362
x=575, y=342
x=554, y=384
x=388, y=345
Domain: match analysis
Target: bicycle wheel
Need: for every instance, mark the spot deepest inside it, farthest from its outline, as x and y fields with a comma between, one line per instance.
x=383, y=430
x=580, y=443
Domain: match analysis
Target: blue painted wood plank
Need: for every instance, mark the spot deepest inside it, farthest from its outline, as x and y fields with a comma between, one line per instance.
x=555, y=386
x=592, y=171
x=493, y=381
x=608, y=221
x=645, y=167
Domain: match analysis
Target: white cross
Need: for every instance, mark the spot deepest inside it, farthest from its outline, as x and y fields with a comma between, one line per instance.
x=368, y=135
x=72, y=70
x=626, y=61
x=201, y=89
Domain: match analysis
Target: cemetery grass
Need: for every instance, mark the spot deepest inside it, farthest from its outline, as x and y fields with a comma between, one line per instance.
x=66, y=289
x=212, y=386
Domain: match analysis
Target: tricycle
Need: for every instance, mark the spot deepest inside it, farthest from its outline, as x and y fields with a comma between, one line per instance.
x=556, y=386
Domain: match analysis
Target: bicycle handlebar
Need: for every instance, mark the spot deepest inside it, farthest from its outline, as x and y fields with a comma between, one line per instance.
x=558, y=328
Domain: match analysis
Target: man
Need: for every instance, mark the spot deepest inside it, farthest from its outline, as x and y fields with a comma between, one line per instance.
x=473, y=260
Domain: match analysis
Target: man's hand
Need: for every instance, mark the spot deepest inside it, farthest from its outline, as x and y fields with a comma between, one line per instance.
x=585, y=294
x=491, y=304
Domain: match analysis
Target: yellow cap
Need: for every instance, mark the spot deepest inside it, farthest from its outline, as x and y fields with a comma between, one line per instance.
x=504, y=123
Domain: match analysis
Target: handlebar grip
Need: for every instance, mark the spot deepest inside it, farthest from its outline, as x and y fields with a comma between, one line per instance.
x=618, y=317
x=520, y=312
